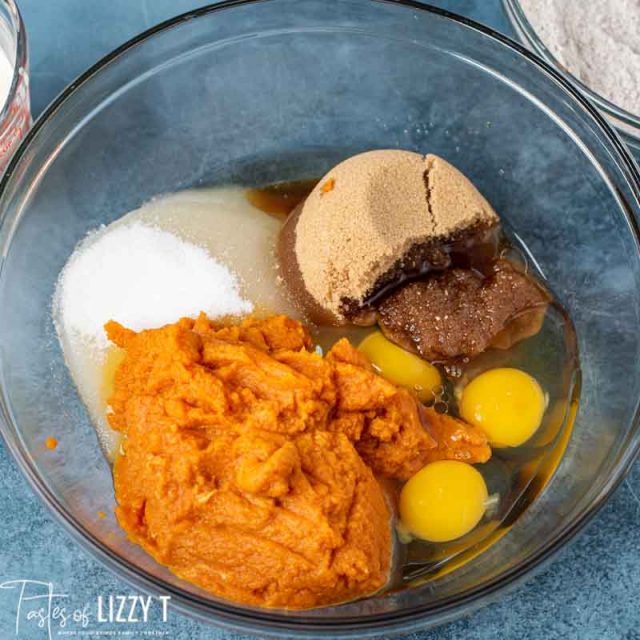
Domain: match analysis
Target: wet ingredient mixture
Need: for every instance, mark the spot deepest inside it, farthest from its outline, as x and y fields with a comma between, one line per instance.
x=274, y=463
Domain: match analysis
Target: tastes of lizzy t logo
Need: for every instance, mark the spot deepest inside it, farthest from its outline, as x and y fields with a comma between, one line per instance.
x=39, y=606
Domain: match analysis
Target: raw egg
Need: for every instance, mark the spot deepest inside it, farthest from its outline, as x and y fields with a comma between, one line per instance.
x=507, y=404
x=443, y=501
x=401, y=367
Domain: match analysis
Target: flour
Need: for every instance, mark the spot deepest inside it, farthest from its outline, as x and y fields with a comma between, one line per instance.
x=597, y=41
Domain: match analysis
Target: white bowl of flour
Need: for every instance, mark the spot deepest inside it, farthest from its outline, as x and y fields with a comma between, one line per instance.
x=596, y=43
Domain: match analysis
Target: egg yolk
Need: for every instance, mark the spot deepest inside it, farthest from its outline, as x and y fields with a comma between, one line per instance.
x=507, y=404
x=401, y=367
x=443, y=501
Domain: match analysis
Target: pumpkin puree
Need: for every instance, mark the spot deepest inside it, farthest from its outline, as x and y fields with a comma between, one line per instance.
x=249, y=462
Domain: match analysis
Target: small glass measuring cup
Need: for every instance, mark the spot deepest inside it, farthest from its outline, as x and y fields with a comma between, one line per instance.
x=15, y=111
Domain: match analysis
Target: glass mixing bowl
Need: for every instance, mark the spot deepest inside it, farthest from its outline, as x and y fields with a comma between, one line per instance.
x=627, y=123
x=255, y=92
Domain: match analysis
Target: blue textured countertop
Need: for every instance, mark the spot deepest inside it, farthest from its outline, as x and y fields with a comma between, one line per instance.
x=590, y=591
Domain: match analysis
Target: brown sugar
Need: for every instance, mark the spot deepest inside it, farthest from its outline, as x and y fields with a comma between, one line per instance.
x=459, y=313
x=386, y=211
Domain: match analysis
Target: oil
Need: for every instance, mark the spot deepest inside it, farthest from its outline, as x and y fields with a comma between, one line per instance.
x=281, y=198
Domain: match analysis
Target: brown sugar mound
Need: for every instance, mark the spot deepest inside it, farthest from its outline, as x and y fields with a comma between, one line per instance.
x=249, y=462
x=459, y=313
x=374, y=219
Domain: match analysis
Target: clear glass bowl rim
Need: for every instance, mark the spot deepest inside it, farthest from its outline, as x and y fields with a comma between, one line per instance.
x=274, y=623
x=21, y=57
x=628, y=122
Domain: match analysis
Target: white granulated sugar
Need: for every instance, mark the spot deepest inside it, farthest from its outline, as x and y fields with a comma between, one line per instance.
x=143, y=278
x=598, y=41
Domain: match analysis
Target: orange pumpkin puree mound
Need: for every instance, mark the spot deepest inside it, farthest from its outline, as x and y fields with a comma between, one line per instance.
x=249, y=462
